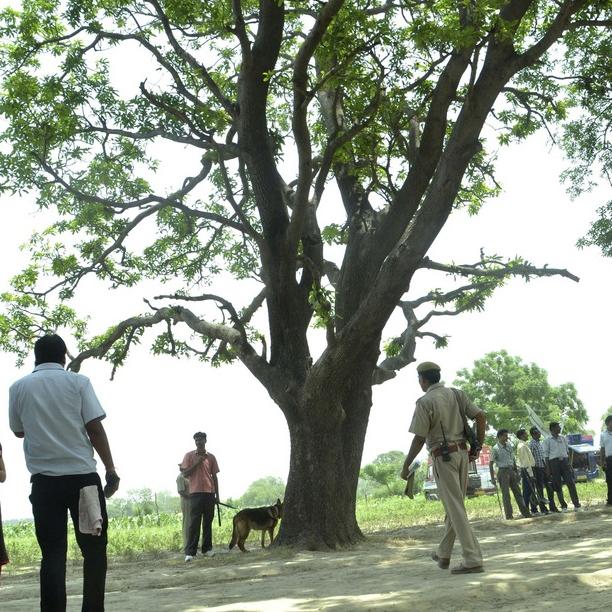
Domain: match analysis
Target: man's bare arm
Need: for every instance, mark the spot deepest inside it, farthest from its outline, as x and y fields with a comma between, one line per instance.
x=190, y=470
x=97, y=435
x=415, y=449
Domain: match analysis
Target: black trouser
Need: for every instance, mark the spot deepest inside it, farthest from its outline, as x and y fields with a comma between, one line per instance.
x=542, y=481
x=51, y=497
x=609, y=478
x=531, y=498
x=202, y=515
x=561, y=472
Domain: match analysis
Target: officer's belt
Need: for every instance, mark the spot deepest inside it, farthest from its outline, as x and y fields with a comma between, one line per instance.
x=452, y=448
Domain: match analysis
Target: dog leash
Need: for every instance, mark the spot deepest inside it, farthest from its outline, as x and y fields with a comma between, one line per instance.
x=226, y=505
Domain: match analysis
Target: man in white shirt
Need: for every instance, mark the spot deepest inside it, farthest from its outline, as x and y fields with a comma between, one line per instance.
x=556, y=454
x=605, y=455
x=59, y=418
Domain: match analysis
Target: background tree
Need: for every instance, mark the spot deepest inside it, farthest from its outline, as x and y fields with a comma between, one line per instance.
x=323, y=146
x=385, y=470
x=603, y=417
x=504, y=387
x=262, y=492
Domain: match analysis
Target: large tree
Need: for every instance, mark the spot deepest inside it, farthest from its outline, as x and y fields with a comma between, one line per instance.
x=505, y=387
x=322, y=147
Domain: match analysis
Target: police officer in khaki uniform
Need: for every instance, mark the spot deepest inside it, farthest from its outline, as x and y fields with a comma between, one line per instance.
x=437, y=420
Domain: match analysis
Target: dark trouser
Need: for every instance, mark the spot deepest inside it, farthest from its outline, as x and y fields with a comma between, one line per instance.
x=541, y=482
x=561, y=472
x=508, y=479
x=51, y=497
x=202, y=515
x=609, y=478
x=531, y=497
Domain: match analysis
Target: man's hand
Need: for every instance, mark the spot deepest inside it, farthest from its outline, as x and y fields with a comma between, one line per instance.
x=112, y=483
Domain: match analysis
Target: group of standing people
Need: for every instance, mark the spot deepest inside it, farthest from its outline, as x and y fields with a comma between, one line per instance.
x=439, y=421
x=58, y=415
x=534, y=466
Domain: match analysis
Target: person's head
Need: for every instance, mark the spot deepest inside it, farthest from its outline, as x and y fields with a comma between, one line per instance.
x=429, y=374
x=50, y=349
x=535, y=433
x=609, y=422
x=502, y=436
x=521, y=434
x=200, y=440
x=555, y=428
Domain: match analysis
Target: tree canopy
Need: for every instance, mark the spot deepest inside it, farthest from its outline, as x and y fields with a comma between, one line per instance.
x=504, y=387
x=310, y=153
x=262, y=492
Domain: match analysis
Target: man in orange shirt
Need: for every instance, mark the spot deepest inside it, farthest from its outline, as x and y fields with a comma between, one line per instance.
x=201, y=469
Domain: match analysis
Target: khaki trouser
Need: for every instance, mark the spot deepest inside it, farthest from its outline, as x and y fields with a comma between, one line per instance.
x=508, y=479
x=451, y=480
x=186, y=512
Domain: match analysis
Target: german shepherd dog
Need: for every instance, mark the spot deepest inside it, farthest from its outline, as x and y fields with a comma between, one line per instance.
x=261, y=519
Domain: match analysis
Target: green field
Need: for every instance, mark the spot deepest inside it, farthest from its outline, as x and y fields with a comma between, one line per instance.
x=147, y=536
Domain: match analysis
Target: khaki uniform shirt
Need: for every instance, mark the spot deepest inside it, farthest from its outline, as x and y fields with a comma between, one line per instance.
x=437, y=410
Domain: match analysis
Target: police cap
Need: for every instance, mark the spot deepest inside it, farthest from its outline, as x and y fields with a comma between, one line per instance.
x=428, y=365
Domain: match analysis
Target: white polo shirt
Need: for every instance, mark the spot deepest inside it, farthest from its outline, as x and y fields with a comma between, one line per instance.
x=51, y=407
x=605, y=442
x=555, y=448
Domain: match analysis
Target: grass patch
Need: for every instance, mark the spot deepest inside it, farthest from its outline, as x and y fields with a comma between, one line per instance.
x=131, y=538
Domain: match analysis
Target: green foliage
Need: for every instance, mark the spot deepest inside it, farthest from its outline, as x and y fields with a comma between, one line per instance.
x=137, y=537
x=385, y=470
x=503, y=386
x=88, y=145
x=262, y=492
x=143, y=502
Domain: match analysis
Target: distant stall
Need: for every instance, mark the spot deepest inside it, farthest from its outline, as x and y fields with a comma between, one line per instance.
x=583, y=456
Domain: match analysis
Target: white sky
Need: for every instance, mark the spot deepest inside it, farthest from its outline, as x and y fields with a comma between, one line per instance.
x=155, y=404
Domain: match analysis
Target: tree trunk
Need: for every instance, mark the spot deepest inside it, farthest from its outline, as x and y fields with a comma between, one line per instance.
x=326, y=456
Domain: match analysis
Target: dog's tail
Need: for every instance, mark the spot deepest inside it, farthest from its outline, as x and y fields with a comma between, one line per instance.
x=234, y=539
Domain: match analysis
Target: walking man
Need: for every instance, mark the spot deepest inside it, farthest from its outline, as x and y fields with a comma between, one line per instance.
x=201, y=469
x=605, y=442
x=438, y=422
x=503, y=456
x=557, y=461
x=59, y=418
x=526, y=463
x=540, y=471
x=182, y=488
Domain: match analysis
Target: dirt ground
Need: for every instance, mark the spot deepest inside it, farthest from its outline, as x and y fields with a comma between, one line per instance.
x=560, y=562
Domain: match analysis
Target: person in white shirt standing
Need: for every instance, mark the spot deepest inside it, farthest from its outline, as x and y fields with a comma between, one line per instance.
x=605, y=441
x=59, y=418
x=557, y=461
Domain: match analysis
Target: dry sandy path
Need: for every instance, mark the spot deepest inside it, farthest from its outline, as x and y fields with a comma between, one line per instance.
x=561, y=562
